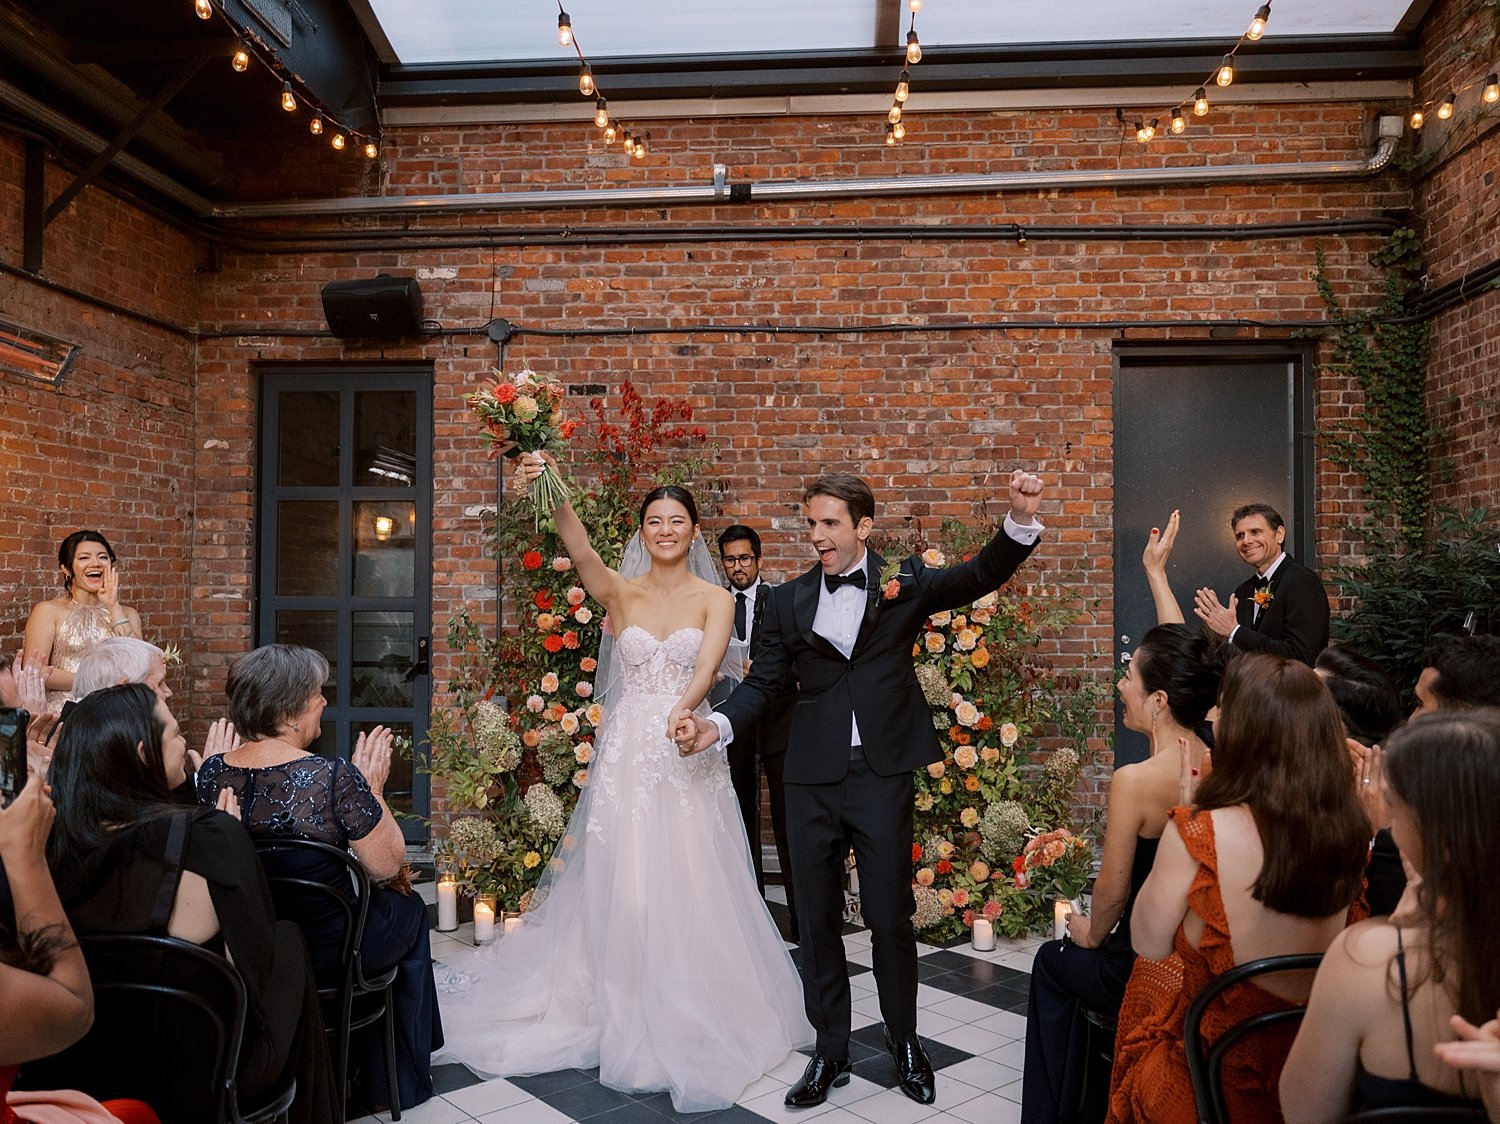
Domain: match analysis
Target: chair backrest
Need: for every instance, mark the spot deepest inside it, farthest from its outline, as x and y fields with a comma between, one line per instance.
x=1205, y=1067
x=310, y=882
x=168, y=1018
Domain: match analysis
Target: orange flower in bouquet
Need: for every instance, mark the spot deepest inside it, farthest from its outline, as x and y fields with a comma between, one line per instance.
x=1058, y=863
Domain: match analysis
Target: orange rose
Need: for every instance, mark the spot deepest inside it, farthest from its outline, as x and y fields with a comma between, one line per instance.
x=980, y=657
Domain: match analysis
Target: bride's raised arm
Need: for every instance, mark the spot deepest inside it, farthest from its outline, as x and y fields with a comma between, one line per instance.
x=602, y=583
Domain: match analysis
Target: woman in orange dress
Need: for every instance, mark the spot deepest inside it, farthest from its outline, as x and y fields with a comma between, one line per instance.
x=1265, y=861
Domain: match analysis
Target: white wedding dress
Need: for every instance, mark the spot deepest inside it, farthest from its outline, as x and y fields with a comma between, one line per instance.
x=652, y=955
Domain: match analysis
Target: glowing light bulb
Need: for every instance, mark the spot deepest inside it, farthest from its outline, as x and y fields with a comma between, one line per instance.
x=1200, y=103
x=601, y=113
x=895, y=114
x=338, y=142
x=890, y=135
x=1258, y=24
x=564, y=29
x=1445, y=110
x=1492, y=88
x=1178, y=124
x=586, y=81
x=913, y=48
x=1144, y=132
x=639, y=151
x=899, y=129
x=914, y=5
x=903, y=87
x=288, y=99
x=203, y=9
x=372, y=149
x=1417, y=119
x=1226, y=71
x=315, y=126
x=240, y=60
x=611, y=131
x=627, y=141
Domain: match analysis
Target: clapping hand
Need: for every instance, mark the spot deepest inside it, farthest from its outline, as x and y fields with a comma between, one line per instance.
x=1159, y=545
x=1369, y=777
x=222, y=738
x=1478, y=1049
x=109, y=593
x=372, y=756
x=1025, y=497
x=228, y=802
x=31, y=683
x=1217, y=618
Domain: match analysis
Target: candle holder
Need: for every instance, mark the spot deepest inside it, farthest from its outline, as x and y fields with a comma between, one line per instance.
x=447, y=896
x=484, y=918
x=511, y=924
x=983, y=935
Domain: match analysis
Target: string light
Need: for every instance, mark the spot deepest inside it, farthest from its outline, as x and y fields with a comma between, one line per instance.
x=240, y=60
x=588, y=86
x=203, y=9
x=1226, y=71
x=1258, y=24
x=1492, y=88
x=913, y=47
x=895, y=114
x=903, y=87
x=1144, y=132
x=339, y=140
x=372, y=149
x=1200, y=103
x=1445, y=110
x=1417, y=118
x=914, y=5
x=315, y=126
x=890, y=135
x=1487, y=94
x=1178, y=124
x=288, y=99
x=899, y=129
x=895, y=129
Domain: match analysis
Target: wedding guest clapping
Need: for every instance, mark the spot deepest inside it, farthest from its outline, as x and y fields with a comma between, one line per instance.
x=1388, y=997
x=88, y=610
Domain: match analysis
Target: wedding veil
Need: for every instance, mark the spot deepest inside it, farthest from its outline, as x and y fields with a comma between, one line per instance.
x=635, y=562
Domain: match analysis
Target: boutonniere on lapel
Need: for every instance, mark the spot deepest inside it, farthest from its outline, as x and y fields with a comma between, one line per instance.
x=1263, y=597
x=890, y=581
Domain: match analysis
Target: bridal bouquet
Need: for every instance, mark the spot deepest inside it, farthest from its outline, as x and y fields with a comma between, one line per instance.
x=523, y=414
x=1057, y=863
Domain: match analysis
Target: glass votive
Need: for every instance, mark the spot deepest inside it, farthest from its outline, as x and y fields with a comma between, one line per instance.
x=983, y=935
x=484, y=918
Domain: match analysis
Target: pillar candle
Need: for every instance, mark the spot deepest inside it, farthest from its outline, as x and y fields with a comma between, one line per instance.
x=984, y=934
x=447, y=905
x=484, y=919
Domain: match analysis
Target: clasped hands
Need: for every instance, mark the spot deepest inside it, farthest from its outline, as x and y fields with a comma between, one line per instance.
x=692, y=732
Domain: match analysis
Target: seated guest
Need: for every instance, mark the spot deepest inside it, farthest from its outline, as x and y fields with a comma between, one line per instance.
x=1371, y=708
x=60, y=630
x=122, y=659
x=1462, y=671
x=275, y=700
x=1265, y=862
x=1168, y=687
x=1386, y=992
x=46, y=1002
x=128, y=860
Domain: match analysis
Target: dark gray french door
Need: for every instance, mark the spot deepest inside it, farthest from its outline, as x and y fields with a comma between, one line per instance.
x=344, y=548
x=1203, y=429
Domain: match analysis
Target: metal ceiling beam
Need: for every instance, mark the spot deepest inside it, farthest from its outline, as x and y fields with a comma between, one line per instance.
x=814, y=73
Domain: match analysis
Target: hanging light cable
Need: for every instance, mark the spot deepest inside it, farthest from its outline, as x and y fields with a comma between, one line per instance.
x=564, y=28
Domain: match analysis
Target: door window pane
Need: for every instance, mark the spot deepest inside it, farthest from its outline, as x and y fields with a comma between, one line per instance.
x=308, y=453
x=398, y=792
x=383, y=647
x=307, y=548
x=385, y=439
x=384, y=548
x=317, y=629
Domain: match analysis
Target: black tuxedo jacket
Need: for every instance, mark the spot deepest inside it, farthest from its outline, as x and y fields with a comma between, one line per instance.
x=1294, y=624
x=877, y=684
x=776, y=723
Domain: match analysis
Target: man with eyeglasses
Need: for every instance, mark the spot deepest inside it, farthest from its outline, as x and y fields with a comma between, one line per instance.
x=739, y=550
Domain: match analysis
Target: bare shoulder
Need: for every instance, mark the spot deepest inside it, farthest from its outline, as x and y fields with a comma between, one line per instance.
x=53, y=609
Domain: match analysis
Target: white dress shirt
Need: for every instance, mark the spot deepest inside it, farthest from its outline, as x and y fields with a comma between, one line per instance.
x=1255, y=612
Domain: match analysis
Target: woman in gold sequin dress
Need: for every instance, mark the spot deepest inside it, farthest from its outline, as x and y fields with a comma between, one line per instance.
x=88, y=610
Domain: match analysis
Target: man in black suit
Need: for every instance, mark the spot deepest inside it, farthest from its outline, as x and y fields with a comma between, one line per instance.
x=739, y=551
x=843, y=632
x=1283, y=609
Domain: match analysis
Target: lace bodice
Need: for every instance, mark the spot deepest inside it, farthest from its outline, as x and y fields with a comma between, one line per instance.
x=649, y=666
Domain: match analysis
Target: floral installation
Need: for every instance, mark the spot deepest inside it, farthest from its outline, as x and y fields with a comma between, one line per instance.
x=523, y=414
x=998, y=703
x=515, y=745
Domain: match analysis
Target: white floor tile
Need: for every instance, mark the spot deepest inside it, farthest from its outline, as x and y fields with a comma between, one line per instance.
x=962, y=1008
x=930, y=996
x=951, y=1091
x=985, y=1109
x=1006, y=1023
x=488, y=1096
x=773, y=1107
x=527, y=1112
x=435, y=1111
x=787, y=1072
x=1012, y=1054
x=860, y=955
x=982, y=1073
x=972, y=1040
x=892, y=1107
x=930, y=1024
x=844, y=1096
x=860, y=939
x=1011, y=1091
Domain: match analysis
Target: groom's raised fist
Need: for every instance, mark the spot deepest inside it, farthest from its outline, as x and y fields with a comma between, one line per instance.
x=1025, y=496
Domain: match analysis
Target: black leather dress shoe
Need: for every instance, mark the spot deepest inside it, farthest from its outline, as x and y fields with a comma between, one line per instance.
x=822, y=1074
x=917, y=1081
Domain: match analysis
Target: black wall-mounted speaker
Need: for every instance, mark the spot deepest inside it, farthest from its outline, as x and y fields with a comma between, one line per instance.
x=381, y=308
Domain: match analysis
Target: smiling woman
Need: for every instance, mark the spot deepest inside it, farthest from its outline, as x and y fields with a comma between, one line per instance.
x=61, y=630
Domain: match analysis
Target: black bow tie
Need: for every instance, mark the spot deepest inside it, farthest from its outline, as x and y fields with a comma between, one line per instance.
x=1262, y=583
x=856, y=579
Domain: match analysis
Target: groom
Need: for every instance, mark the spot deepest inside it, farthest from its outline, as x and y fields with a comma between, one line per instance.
x=861, y=727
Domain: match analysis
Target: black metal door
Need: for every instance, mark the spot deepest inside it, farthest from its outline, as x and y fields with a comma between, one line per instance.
x=1202, y=429
x=344, y=549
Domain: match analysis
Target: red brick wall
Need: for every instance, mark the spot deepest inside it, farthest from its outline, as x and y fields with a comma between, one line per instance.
x=1458, y=197
x=111, y=448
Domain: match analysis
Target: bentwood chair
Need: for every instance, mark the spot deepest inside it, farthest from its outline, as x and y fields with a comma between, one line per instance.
x=310, y=879
x=1205, y=1065
x=169, y=1017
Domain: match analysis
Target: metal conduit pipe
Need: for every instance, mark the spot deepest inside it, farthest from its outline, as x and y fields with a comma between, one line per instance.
x=1389, y=133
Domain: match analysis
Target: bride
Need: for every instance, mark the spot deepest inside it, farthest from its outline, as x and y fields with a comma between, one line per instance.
x=652, y=955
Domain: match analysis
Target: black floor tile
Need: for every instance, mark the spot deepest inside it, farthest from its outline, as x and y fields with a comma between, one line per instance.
x=589, y=1099
x=637, y=1112
x=449, y=1078
x=1004, y=996
x=543, y=1084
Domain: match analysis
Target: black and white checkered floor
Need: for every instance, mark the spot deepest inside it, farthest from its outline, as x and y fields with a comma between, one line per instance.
x=972, y=1019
